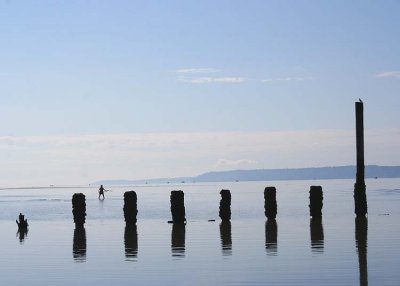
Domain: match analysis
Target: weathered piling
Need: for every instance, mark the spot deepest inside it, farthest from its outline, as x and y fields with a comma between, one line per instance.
x=270, y=205
x=360, y=198
x=178, y=206
x=130, y=207
x=271, y=237
x=225, y=205
x=316, y=198
x=79, y=209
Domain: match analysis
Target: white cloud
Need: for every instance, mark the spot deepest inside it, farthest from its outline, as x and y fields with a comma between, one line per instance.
x=395, y=74
x=203, y=80
x=197, y=70
x=281, y=79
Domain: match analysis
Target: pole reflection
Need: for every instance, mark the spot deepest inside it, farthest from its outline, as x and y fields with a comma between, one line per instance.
x=271, y=237
x=178, y=236
x=317, y=235
x=225, y=230
x=131, y=242
x=22, y=234
x=361, y=245
x=79, y=244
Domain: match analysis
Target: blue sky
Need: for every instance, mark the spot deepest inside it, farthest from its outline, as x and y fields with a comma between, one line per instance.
x=118, y=71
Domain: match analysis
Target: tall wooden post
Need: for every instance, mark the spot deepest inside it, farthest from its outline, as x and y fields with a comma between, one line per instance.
x=360, y=198
x=225, y=205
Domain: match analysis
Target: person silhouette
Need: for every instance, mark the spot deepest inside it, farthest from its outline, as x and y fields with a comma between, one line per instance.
x=101, y=191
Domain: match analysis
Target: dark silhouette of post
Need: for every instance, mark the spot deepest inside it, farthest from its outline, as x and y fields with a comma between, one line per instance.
x=360, y=198
x=270, y=205
x=225, y=230
x=22, y=223
x=178, y=206
x=79, y=244
x=130, y=208
x=317, y=235
x=361, y=244
x=79, y=209
x=271, y=237
x=131, y=242
x=225, y=205
x=316, y=204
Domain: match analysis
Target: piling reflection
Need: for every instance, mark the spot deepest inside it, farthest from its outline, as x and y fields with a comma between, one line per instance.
x=361, y=245
x=178, y=240
x=79, y=245
x=22, y=234
x=271, y=237
x=317, y=235
x=225, y=230
x=131, y=243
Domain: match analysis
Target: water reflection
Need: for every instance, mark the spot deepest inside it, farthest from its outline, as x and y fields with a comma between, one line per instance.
x=22, y=234
x=225, y=230
x=79, y=245
x=317, y=235
x=131, y=242
x=178, y=240
x=361, y=245
x=271, y=237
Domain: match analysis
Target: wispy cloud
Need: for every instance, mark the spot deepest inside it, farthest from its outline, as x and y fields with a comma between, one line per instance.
x=395, y=74
x=197, y=70
x=203, y=80
x=282, y=79
x=233, y=164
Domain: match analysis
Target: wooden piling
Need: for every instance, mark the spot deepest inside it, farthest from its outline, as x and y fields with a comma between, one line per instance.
x=130, y=207
x=79, y=209
x=225, y=205
x=360, y=198
x=316, y=198
x=270, y=205
x=178, y=206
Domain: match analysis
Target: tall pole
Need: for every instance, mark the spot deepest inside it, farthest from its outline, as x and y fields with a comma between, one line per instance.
x=360, y=198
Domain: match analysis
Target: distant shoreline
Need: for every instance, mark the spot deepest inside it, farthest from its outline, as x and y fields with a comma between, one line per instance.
x=318, y=173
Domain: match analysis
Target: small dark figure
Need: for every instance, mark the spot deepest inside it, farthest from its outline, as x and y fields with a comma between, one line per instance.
x=22, y=223
x=101, y=191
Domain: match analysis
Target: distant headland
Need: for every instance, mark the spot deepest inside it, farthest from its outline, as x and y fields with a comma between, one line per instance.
x=320, y=173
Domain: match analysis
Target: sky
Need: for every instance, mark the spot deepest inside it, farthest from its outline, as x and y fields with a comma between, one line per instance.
x=93, y=90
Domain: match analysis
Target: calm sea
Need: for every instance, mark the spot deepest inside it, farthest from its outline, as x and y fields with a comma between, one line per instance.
x=249, y=250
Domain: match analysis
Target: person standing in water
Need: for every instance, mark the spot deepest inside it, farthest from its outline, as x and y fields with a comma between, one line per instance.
x=101, y=191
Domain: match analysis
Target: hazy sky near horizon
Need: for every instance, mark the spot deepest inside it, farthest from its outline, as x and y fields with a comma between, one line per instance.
x=93, y=90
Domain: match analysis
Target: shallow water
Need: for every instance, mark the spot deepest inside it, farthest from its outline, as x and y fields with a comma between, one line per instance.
x=248, y=251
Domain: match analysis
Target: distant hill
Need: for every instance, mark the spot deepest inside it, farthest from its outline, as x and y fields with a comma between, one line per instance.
x=340, y=172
